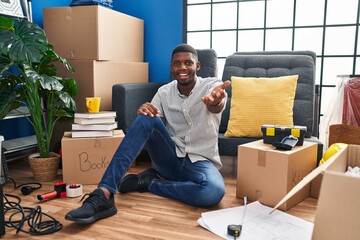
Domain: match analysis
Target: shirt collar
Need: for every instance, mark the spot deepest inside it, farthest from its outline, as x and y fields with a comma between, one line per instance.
x=182, y=95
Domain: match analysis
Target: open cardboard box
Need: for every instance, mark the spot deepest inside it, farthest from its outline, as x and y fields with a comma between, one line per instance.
x=338, y=209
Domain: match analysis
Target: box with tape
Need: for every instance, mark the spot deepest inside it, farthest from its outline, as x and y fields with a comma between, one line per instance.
x=275, y=133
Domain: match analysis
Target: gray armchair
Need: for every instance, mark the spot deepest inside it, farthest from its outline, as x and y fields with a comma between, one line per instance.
x=275, y=64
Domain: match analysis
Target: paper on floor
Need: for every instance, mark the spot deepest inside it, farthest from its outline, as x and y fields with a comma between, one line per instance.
x=258, y=223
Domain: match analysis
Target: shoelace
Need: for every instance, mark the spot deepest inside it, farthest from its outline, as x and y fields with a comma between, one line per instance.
x=85, y=195
x=92, y=198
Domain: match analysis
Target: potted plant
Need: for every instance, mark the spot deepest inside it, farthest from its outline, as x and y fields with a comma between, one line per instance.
x=28, y=78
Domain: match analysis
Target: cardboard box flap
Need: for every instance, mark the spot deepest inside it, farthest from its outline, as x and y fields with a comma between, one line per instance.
x=337, y=212
x=308, y=178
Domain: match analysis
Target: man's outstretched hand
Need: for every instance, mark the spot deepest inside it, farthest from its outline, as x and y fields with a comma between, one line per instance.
x=215, y=98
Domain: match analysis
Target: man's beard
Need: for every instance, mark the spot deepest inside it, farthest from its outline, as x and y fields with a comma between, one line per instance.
x=187, y=83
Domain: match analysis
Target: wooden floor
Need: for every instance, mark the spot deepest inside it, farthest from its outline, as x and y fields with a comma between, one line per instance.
x=140, y=215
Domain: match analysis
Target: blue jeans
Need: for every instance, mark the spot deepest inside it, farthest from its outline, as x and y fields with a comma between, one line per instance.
x=198, y=184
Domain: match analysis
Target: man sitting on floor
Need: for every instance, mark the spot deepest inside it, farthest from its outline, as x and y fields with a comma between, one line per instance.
x=180, y=131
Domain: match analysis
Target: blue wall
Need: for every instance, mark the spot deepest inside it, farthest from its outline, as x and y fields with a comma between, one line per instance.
x=163, y=21
x=163, y=30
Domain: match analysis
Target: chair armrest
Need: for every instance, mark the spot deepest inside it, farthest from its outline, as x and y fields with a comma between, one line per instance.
x=127, y=98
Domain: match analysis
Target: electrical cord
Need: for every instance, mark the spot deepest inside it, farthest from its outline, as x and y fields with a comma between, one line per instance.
x=17, y=216
x=26, y=187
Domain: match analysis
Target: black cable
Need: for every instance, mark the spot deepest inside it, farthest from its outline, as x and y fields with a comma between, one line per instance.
x=17, y=216
x=26, y=187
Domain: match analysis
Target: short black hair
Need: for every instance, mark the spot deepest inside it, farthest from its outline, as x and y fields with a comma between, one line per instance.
x=185, y=48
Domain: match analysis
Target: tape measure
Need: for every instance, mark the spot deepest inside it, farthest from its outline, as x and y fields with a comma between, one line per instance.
x=234, y=230
x=74, y=190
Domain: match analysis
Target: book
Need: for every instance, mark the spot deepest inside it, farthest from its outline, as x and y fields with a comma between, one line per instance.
x=101, y=114
x=84, y=134
x=94, y=127
x=85, y=121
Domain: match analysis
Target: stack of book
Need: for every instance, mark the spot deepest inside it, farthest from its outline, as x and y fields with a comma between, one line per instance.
x=101, y=124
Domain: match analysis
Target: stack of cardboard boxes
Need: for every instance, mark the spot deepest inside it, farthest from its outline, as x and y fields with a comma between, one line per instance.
x=105, y=47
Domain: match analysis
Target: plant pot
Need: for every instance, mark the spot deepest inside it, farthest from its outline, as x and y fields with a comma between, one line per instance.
x=44, y=169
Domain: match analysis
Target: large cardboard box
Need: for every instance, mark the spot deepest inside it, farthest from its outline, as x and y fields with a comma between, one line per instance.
x=94, y=32
x=338, y=209
x=96, y=78
x=267, y=175
x=84, y=160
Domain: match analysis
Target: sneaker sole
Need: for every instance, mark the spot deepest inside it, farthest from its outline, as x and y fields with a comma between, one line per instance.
x=108, y=213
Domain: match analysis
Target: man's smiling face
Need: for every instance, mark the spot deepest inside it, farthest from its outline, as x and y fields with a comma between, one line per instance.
x=184, y=66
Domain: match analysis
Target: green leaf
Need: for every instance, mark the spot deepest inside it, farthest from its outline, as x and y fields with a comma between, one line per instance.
x=50, y=83
x=6, y=23
x=70, y=86
x=69, y=103
x=27, y=43
x=31, y=74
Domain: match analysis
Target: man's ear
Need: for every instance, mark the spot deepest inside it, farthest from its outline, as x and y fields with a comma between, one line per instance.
x=198, y=64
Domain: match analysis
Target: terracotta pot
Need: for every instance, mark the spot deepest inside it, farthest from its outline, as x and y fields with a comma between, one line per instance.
x=44, y=169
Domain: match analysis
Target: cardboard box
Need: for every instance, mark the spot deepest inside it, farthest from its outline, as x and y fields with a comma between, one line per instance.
x=84, y=160
x=96, y=79
x=337, y=213
x=267, y=175
x=94, y=32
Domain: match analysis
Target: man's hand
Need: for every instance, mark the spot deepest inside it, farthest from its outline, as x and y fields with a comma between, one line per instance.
x=214, y=101
x=148, y=109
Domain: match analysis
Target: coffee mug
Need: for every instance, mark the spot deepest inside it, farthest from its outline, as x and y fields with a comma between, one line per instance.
x=93, y=104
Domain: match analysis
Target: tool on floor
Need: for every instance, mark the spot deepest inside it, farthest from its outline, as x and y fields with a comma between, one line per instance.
x=59, y=192
x=235, y=229
x=74, y=190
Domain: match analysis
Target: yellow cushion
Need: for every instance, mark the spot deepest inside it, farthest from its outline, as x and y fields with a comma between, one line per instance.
x=258, y=101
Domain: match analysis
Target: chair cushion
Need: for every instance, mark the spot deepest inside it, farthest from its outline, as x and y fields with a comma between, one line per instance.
x=258, y=101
